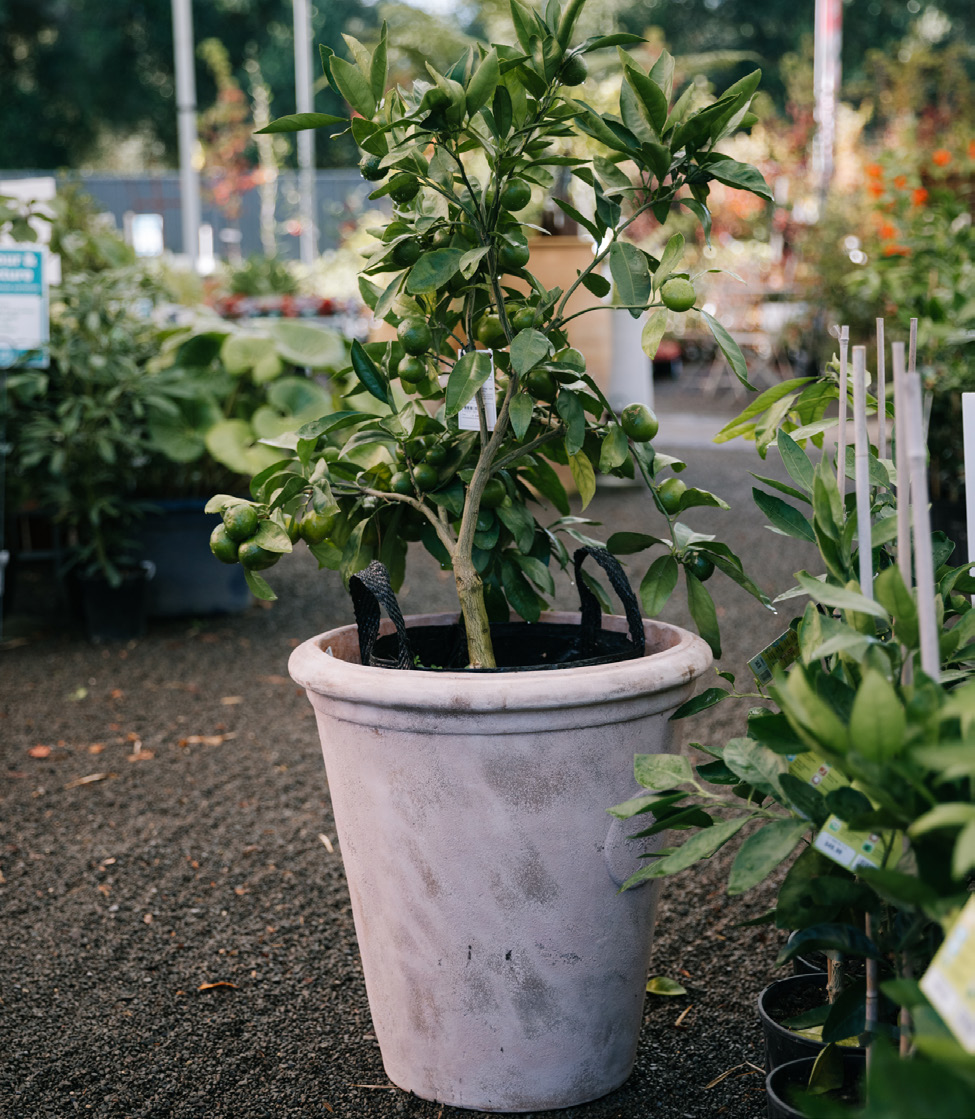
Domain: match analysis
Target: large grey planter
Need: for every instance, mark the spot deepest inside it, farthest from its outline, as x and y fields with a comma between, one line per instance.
x=505, y=971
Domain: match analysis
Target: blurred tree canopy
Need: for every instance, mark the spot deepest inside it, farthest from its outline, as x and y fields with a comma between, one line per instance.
x=80, y=81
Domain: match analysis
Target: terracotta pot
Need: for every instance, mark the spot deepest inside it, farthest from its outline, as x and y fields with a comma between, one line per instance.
x=505, y=971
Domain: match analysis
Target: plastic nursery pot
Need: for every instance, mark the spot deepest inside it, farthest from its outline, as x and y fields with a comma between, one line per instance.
x=783, y=1082
x=505, y=971
x=811, y=964
x=115, y=613
x=785, y=998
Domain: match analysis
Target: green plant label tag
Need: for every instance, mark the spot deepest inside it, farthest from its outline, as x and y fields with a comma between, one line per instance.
x=467, y=418
x=782, y=652
x=853, y=849
x=950, y=980
x=811, y=768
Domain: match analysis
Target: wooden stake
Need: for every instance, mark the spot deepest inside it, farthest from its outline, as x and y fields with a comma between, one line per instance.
x=881, y=393
x=923, y=558
x=862, y=469
x=841, y=425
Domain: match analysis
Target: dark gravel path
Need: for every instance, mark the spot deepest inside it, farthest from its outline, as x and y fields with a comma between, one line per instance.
x=175, y=932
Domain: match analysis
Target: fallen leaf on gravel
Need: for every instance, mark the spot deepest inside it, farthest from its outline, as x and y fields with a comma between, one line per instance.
x=211, y=986
x=274, y=679
x=147, y=918
x=328, y=1107
x=728, y=1071
x=96, y=747
x=89, y=780
x=206, y=739
x=40, y=751
x=230, y=700
x=328, y=843
x=139, y=754
x=661, y=985
x=78, y=694
x=117, y=693
x=679, y=1023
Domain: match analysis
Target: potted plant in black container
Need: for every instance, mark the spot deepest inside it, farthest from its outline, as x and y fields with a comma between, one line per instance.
x=516, y=982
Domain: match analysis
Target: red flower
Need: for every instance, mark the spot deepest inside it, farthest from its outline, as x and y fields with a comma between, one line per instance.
x=941, y=157
x=886, y=231
x=900, y=182
x=919, y=196
x=874, y=171
x=897, y=250
x=875, y=189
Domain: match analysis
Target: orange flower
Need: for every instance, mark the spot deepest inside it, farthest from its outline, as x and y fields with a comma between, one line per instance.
x=919, y=196
x=897, y=250
x=900, y=182
x=875, y=189
x=886, y=231
x=971, y=149
x=874, y=171
x=941, y=157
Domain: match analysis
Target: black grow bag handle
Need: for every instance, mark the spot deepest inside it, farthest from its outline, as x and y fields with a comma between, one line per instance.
x=370, y=588
x=589, y=608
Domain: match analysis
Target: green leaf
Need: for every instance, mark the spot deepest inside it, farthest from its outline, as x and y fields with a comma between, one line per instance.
x=483, y=83
x=379, y=68
x=520, y=411
x=847, y=1015
x=783, y=517
x=467, y=376
x=701, y=702
x=312, y=347
x=433, y=270
x=878, y=721
x=756, y=765
x=570, y=409
x=652, y=99
x=520, y=524
x=528, y=348
x=701, y=606
x=762, y=851
x=661, y=985
x=700, y=846
x=353, y=85
x=631, y=273
x=839, y=597
x=593, y=281
x=658, y=584
x=259, y=586
x=661, y=771
x=892, y=593
x=829, y=938
x=519, y=593
x=614, y=450
x=369, y=374
x=653, y=331
x=729, y=347
x=584, y=476
x=671, y=257
x=298, y=122
x=626, y=543
x=741, y=175
x=796, y=461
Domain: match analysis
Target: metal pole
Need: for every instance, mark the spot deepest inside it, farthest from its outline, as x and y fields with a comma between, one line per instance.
x=189, y=179
x=827, y=48
x=304, y=102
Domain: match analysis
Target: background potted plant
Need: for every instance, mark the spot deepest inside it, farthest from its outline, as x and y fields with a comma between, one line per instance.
x=453, y=435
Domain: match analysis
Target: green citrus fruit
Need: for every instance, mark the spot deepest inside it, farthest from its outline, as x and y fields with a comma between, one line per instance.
x=401, y=482
x=494, y=493
x=670, y=491
x=437, y=455
x=222, y=545
x=574, y=70
x=425, y=476
x=490, y=332
x=516, y=195
x=541, y=385
x=404, y=187
x=412, y=370
x=639, y=423
x=678, y=294
x=700, y=566
x=256, y=558
x=241, y=522
x=523, y=318
x=415, y=336
x=512, y=257
x=370, y=169
x=406, y=253
x=315, y=527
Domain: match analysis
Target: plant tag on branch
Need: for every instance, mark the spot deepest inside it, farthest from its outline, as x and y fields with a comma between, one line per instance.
x=854, y=849
x=948, y=981
x=781, y=653
x=467, y=418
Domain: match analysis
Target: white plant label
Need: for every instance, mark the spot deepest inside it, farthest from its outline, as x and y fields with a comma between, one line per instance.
x=467, y=418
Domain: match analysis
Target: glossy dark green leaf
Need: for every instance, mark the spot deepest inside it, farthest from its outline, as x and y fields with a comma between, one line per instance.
x=701, y=605
x=829, y=938
x=468, y=375
x=702, y=702
x=433, y=270
x=658, y=584
x=631, y=273
x=370, y=375
x=783, y=517
x=625, y=543
x=298, y=122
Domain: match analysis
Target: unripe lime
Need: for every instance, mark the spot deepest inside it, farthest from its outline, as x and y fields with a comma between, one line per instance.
x=241, y=522
x=699, y=565
x=490, y=332
x=541, y=385
x=222, y=545
x=370, y=168
x=437, y=455
x=412, y=370
x=401, y=482
x=639, y=423
x=315, y=527
x=523, y=318
x=670, y=491
x=404, y=187
x=574, y=70
x=256, y=558
x=406, y=253
x=425, y=476
x=494, y=493
x=512, y=257
x=678, y=294
x=415, y=336
x=516, y=195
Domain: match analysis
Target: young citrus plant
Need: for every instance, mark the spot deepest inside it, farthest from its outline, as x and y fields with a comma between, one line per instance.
x=480, y=393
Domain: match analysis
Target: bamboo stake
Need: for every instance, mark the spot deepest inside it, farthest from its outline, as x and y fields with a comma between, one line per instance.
x=881, y=393
x=862, y=469
x=923, y=558
x=841, y=425
x=902, y=472
x=872, y=1000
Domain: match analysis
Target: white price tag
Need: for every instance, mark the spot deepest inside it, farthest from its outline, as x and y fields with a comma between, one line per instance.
x=467, y=418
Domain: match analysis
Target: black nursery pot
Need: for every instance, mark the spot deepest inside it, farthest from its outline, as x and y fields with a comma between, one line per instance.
x=784, y=1082
x=785, y=998
x=114, y=613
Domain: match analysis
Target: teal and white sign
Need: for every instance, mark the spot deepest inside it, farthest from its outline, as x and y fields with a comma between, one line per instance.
x=24, y=316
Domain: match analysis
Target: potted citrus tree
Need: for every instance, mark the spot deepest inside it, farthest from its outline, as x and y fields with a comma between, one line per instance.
x=503, y=970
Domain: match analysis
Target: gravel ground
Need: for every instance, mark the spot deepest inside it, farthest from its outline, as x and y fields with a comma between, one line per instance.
x=174, y=921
